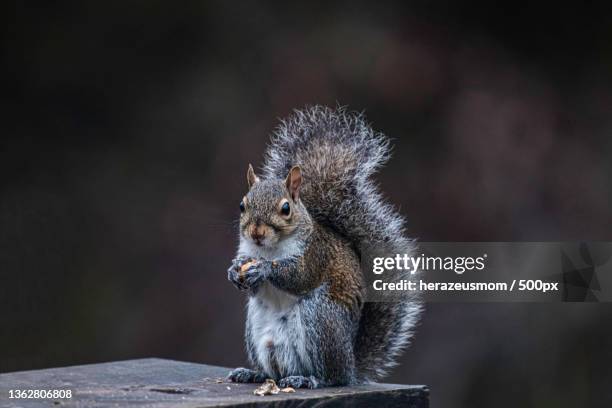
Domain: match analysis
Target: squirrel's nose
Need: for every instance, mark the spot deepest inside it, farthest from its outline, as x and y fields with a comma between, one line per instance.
x=258, y=233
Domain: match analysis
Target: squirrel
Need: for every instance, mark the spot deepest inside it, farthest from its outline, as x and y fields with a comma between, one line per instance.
x=302, y=227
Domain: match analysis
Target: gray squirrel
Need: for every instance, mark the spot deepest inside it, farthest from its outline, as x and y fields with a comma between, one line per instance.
x=302, y=226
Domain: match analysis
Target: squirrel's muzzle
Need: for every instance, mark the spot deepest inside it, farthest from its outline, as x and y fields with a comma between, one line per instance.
x=258, y=232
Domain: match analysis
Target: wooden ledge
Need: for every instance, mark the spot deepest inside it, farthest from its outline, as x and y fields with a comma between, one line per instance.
x=162, y=383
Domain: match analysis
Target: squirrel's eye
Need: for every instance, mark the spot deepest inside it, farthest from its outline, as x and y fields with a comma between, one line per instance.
x=242, y=206
x=285, y=209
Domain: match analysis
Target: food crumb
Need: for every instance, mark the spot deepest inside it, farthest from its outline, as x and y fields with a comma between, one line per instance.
x=245, y=267
x=267, y=388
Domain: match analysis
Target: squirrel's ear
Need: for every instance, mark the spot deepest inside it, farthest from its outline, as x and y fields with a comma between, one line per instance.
x=294, y=181
x=251, y=177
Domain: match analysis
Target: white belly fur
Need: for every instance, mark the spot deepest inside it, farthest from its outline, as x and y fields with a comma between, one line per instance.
x=266, y=310
x=278, y=345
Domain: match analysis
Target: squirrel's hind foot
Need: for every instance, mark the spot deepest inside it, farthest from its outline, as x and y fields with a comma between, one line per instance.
x=245, y=375
x=298, y=381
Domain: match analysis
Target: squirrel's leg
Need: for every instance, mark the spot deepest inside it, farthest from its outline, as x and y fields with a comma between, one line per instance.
x=291, y=275
x=246, y=375
x=330, y=328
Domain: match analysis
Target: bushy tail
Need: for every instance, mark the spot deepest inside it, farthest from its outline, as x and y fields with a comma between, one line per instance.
x=338, y=153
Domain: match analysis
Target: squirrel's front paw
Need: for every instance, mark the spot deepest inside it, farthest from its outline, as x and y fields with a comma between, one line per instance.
x=254, y=274
x=235, y=274
x=247, y=273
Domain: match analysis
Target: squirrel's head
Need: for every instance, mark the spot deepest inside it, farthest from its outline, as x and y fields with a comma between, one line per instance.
x=271, y=210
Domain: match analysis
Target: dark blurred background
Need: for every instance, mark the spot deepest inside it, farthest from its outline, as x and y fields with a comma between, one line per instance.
x=127, y=127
